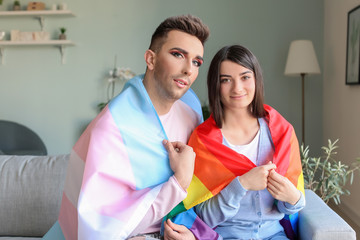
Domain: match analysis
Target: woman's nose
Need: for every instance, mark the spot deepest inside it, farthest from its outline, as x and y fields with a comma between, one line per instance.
x=237, y=86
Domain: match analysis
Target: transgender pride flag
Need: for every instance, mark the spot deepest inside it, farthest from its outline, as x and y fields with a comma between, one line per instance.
x=116, y=168
x=217, y=165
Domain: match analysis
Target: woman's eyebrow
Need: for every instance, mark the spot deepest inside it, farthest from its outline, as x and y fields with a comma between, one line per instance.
x=245, y=72
x=225, y=75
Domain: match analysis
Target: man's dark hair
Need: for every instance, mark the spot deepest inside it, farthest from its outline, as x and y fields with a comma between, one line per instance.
x=185, y=23
x=240, y=55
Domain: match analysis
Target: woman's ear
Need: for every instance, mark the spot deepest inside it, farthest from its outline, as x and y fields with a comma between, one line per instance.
x=150, y=59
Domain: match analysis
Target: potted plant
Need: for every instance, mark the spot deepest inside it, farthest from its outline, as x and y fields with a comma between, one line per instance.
x=62, y=35
x=205, y=111
x=16, y=6
x=325, y=175
x=120, y=74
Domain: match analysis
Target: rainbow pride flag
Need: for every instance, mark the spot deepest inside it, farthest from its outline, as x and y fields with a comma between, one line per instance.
x=212, y=155
x=116, y=168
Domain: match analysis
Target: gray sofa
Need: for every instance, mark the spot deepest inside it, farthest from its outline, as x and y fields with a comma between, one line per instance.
x=30, y=194
x=31, y=191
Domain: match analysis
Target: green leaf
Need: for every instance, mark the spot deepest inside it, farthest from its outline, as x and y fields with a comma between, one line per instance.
x=326, y=175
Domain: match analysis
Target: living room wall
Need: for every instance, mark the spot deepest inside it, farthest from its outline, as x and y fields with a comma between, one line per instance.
x=57, y=101
x=341, y=113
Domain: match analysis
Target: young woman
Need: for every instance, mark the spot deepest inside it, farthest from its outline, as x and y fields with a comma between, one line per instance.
x=249, y=149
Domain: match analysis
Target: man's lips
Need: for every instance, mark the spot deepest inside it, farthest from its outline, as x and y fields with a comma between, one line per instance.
x=180, y=82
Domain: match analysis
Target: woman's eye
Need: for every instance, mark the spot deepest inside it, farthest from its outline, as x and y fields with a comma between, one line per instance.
x=224, y=80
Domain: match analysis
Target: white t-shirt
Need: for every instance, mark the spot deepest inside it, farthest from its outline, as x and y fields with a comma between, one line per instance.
x=249, y=150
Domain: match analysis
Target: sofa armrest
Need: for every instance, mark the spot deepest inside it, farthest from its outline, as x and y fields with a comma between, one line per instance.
x=318, y=221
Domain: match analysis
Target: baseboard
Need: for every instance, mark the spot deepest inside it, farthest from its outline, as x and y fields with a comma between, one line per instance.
x=347, y=210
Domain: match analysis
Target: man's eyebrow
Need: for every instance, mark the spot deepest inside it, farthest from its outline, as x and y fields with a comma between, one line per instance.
x=200, y=58
x=180, y=50
x=186, y=53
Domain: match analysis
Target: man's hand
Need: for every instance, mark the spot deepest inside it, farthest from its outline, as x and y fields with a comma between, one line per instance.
x=257, y=178
x=182, y=159
x=174, y=231
x=282, y=189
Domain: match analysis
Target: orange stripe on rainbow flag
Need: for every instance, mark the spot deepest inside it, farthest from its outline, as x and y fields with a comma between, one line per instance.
x=212, y=167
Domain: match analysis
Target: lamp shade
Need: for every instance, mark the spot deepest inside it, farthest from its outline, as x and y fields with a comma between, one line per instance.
x=301, y=58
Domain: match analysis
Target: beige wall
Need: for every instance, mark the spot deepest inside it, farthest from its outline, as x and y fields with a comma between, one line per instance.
x=341, y=116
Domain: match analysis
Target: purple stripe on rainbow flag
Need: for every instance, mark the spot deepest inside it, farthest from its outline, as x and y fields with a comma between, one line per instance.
x=200, y=229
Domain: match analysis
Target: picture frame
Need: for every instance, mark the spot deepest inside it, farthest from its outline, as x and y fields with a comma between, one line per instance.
x=353, y=47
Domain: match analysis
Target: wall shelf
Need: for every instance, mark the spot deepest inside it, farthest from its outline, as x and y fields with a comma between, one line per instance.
x=61, y=44
x=37, y=14
x=38, y=43
x=41, y=16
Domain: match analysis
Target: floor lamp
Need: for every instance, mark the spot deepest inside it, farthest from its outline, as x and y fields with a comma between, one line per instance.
x=302, y=61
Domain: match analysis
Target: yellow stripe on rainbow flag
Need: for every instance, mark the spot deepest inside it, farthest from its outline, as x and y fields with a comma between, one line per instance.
x=300, y=184
x=197, y=193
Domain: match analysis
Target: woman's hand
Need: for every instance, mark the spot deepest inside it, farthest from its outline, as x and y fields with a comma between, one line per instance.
x=174, y=231
x=257, y=178
x=282, y=189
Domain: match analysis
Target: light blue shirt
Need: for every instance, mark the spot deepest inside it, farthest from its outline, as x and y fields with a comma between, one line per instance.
x=241, y=214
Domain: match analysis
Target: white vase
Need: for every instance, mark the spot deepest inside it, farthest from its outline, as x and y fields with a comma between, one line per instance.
x=2, y=35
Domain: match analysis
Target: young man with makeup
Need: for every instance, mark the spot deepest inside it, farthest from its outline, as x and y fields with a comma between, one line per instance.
x=131, y=166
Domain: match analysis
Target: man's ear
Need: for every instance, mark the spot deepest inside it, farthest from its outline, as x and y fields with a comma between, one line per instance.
x=150, y=58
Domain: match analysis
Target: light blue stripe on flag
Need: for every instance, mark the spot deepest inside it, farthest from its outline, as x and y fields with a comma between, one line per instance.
x=55, y=233
x=139, y=125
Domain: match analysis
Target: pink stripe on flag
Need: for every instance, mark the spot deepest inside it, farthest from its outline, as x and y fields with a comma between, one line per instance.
x=68, y=221
x=105, y=183
x=82, y=144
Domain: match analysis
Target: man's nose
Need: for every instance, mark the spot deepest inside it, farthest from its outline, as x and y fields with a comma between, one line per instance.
x=188, y=68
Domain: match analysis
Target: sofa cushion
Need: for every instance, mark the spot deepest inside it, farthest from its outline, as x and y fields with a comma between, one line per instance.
x=317, y=221
x=30, y=193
